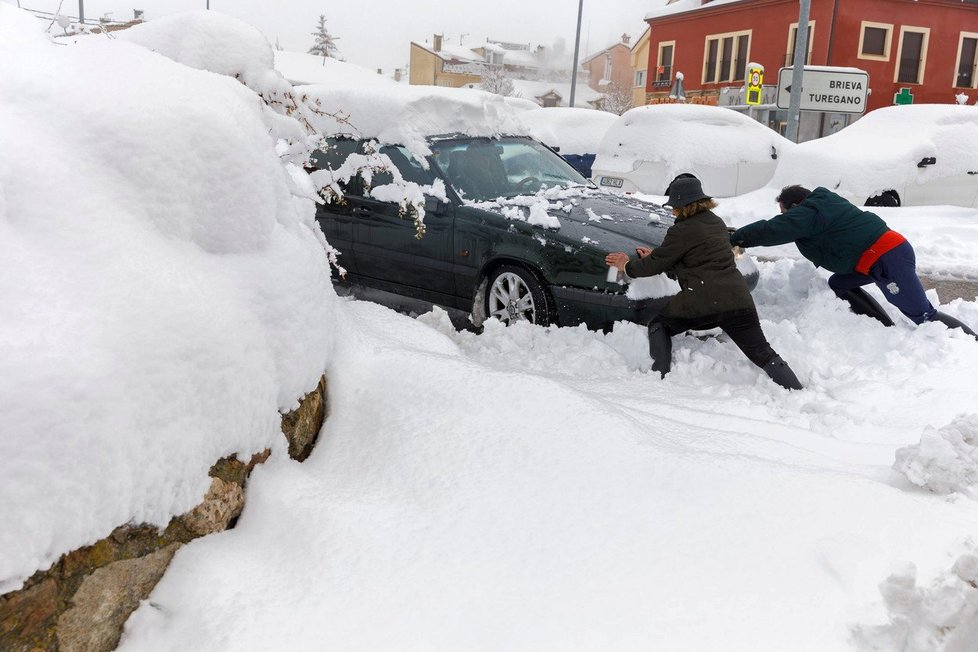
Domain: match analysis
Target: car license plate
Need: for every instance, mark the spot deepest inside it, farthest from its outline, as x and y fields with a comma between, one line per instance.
x=614, y=182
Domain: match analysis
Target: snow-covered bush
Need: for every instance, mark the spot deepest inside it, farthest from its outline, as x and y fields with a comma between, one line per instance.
x=945, y=460
x=164, y=281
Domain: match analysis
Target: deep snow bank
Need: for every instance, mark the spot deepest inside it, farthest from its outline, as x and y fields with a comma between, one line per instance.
x=165, y=291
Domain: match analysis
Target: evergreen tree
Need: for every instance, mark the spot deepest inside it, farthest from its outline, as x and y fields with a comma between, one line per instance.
x=325, y=45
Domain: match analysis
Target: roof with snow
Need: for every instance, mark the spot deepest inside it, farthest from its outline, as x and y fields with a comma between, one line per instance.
x=408, y=115
x=680, y=134
x=682, y=6
x=574, y=130
x=302, y=68
x=537, y=89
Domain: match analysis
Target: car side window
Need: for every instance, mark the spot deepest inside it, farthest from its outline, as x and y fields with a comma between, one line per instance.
x=332, y=156
x=409, y=167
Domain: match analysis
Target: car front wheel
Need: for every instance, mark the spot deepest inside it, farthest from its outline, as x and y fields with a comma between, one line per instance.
x=888, y=199
x=515, y=294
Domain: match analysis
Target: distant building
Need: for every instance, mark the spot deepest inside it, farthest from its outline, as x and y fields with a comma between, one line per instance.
x=443, y=64
x=612, y=65
x=639, y=59
x=920, y=51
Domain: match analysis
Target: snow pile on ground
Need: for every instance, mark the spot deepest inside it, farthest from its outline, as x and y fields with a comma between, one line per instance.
x=407, y=115
x=533, y=488
x=945, y=460
x=677, y=135
x=943, y=616
x=165, y=292
x=574, y=130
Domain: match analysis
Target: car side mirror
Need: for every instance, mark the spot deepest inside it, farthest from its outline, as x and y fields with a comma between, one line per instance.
x=927, y=160
x=435, y=206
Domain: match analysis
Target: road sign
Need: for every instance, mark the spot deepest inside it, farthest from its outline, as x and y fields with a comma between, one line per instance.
x=755, y=81
x=824, y=88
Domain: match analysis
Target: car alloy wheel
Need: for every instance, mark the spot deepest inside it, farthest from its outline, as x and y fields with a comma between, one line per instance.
x=514, y=294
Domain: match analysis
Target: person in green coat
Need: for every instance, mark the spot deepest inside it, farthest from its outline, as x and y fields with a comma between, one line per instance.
x=714, y=294
x=856, y=245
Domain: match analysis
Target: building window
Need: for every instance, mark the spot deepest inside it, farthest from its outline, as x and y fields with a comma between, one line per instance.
x=874, y=41
x=725, y=57
x=967, y=60
x=789, y=59
x=911, y=55
x=607, y=68
x=640, y=78
x=663, y=71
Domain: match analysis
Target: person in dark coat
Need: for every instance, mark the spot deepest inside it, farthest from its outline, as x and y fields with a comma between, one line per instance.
x=856, y=245
x=696, y=251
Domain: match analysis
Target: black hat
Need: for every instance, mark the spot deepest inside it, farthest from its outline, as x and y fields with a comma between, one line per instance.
x=684, y=191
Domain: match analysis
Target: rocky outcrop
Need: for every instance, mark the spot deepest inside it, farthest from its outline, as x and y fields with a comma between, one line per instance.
x=82, y=601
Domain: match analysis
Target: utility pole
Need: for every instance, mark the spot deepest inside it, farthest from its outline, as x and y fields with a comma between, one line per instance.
x=577, y=50
x=81, y=11
x=797, y=70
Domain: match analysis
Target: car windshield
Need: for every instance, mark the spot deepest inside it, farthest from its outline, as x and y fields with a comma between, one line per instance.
x=482, y=169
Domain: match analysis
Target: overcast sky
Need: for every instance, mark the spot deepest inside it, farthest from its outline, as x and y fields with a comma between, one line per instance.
x=377, y=33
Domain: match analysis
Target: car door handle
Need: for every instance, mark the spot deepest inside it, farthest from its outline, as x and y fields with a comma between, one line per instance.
x=972, y=171
x=360, y=211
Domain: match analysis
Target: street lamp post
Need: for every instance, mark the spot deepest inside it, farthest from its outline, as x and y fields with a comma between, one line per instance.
x=577, y=50
x=797, y=70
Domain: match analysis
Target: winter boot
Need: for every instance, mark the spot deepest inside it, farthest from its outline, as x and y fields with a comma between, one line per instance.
x=951, y=322
x=781, y=373
x=660, y=348
x=863, y=304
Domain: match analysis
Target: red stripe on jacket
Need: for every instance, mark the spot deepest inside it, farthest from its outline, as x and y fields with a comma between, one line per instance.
x=887, y=241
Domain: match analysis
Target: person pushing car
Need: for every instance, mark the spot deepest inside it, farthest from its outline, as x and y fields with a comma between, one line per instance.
x=855, y=245
x=696, y=251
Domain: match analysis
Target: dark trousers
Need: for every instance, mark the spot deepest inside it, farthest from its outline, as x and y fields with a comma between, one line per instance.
x=741, y=326
x=895, y=273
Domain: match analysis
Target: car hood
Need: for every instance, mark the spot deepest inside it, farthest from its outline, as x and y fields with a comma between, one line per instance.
x=613, y=222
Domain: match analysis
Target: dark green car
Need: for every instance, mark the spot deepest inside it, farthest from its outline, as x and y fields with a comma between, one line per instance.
x=482, y=252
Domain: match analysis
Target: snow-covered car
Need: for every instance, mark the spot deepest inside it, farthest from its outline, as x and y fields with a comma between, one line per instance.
x=649, y=146
x=913, y=155
x=572, y=132
x=511, y=230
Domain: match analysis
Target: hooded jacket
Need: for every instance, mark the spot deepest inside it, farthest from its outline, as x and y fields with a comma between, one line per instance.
x=828, y=230
x=696, y=250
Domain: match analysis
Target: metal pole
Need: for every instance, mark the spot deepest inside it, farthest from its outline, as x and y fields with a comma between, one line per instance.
x=577, y=50
x=797, y=70
x=81, y=11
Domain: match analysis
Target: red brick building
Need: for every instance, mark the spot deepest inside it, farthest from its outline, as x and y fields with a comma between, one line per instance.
x=926, y=46
x=613, y=65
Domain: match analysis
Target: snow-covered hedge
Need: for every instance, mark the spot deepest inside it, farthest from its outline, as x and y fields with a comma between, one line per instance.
x=164, y=282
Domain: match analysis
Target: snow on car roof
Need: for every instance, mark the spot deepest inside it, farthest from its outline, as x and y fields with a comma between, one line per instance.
x=408, y=115
x=881, y=150
x=574, y=130
x=681, y=135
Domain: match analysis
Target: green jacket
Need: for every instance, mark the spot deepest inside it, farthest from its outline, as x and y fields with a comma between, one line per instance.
x=828, y=230
x=696, y=251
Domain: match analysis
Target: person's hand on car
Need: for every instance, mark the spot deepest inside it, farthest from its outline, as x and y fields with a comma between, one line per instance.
x=643, y=251
x=617, y=259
